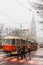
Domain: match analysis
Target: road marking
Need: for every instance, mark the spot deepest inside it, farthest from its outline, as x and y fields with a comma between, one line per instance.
x=6, y=58
x=3, y=62
x=21, y=60
x=13, y=59
x=35, y=61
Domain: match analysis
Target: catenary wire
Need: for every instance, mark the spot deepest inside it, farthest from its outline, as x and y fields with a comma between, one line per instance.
x=7, y=16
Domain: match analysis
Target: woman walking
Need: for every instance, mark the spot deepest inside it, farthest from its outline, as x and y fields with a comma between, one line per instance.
x=28, y=55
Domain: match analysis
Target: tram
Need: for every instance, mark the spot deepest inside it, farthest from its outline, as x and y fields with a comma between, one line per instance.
x=11, y=43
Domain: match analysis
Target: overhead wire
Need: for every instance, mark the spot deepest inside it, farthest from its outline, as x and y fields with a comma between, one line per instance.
x=30, y=9
x=10, y=17
x=20, y=4
x=23, y=5
x=34, y=6
x=31, y=4
x=7, y=16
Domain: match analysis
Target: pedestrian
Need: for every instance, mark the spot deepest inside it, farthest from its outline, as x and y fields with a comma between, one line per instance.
x=28, y=55
x=18, y=52
x=22, y=52
x=29, y=51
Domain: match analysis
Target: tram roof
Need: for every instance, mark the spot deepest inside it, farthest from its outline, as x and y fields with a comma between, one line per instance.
x=14, y=37
x=11, y=37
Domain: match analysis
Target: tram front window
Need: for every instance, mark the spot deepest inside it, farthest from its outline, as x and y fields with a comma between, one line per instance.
x=7, y=42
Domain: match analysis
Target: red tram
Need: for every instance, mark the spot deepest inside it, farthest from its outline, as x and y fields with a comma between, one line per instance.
x=11, y=43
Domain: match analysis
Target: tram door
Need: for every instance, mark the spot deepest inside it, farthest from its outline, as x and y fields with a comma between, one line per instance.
x=17, y=43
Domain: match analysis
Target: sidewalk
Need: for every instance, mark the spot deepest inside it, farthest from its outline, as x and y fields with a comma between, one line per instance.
x=37, y=53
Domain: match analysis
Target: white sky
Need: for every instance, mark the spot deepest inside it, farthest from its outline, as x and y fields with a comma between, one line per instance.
x=19, y=14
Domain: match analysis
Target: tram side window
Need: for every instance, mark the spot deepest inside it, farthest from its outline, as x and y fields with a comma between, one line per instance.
x=18, y=42
x=13, y=41
x=23, y=42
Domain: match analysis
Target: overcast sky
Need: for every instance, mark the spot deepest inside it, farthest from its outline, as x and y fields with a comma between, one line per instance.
x=16, y=12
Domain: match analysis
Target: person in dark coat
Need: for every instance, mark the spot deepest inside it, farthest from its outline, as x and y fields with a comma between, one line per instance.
x=28, y=55
x=22, y=52
x=18, y=52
